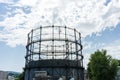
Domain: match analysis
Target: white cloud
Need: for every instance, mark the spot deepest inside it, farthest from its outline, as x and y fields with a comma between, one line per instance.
x=87, y=16
x=27, y=2
x=113, y=49
x=7, y=1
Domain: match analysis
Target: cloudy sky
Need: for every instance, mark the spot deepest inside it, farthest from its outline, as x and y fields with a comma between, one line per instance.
x=97, y=20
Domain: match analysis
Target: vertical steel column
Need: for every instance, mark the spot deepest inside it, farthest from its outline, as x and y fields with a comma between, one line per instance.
x=40, y=42
x=53, y=42
x=81, y=61
x=27, y=52
x=66, y=45
x=80, y=41
x=65, y=37
x=33, y=51
x=27, y=60
x=31, y=55
x=81, y=50
x=76, y=47
x=53, y=49
x=66, y=42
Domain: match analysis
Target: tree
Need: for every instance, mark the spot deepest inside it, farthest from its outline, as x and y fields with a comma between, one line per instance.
x=102, y=66
x=20, y=77
x=118, y=62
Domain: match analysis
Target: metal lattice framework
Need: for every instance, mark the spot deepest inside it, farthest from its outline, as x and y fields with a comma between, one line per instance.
x=52, y=45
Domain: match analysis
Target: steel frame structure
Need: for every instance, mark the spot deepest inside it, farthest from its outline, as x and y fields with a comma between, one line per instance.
x=55, y=49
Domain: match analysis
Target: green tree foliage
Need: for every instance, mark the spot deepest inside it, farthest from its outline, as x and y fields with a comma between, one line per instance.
x=119, y=62
x=20, y=77
x=102, y=66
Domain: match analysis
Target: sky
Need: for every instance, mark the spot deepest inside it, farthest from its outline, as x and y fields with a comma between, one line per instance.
x=97, y=20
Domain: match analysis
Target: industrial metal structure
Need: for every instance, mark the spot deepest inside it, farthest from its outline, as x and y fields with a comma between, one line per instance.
x=54, y=53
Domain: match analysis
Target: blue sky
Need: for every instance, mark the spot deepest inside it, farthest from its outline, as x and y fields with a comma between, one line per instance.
x=97, y=20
